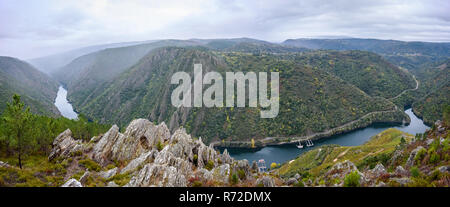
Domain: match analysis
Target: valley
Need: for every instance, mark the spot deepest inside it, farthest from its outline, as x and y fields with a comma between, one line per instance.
x=115, y=124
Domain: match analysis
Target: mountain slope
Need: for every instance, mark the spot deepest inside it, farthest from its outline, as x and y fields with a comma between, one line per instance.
x=37, y=90
x=366, y=70
x=410, y=55
x=50, y=64
x=324, y=101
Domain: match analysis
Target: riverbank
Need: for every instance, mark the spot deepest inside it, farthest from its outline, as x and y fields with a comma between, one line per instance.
x=287, y=152
x=392, y=117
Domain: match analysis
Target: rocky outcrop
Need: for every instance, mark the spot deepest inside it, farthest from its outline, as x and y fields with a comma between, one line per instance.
x=64, y=145
x=412, y=155
x=265, y=181
x=150, y=156
x=140, y=136
x=4, y=164
x=72, y=183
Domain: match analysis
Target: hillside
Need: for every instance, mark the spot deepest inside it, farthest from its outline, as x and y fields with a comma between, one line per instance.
x=391, y=158
x=323, y=102
x=50, y=64
x=410, y=55
x=366, y=70
x=37, y=90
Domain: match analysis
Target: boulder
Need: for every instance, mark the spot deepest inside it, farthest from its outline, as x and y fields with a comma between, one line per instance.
x=158, y=175
x=109, y=173
x=64, y=145
x=291, y=181
x=4, y=164
x=265, y=181
x=400, y=171
x=221, y=173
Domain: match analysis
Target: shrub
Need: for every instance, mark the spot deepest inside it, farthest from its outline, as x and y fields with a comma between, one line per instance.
x=241, y=174
x=273, y=165
x=159, y=146
x=420, y=155
x=197, y=183
x=415, y=172
x=234, y=179
x=90, y=165
x=299, y=184
x=195, y=159
x=352, y=179
x=210, y=165
x=434, y=158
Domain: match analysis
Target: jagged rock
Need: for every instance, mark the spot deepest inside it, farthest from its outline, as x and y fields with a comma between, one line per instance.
x=158, y=175
x=225, y=157
x=64, y=145
x=221, y=173
x=381, y=184
x=84, y=177
x=72, y=183
x=402, y=181
x=140, y=136
x=112, y=184
x=265, y=181
x=400, y=171
x=109, y=173
x=204, y=174
x=410, y=161
x=291, y=181
x=254, y=166
x=376, y=172
x=4, y=164
x=143, y=159
x=444, y=169
x=341, y=169
x=242, y=165
x=297, y=176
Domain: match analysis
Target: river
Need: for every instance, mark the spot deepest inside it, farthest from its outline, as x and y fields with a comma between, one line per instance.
x=283, y=153
x=63, y=105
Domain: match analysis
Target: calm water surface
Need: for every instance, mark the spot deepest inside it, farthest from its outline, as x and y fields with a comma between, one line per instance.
x=63, y=104
x=283, y=153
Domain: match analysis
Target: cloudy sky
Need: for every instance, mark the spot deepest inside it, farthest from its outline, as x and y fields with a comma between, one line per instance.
x=32, y=28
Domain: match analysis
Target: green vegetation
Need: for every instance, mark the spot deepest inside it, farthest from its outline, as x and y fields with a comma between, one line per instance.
x=318, y=161
x=37, y=90
x=323, y=102
x=352, y=179
x=24, y=134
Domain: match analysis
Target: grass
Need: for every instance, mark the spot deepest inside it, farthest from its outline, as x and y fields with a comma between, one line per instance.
x=37, y=171
x=318, y=161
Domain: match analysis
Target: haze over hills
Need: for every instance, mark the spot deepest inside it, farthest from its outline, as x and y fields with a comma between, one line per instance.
x=50, y=64
x=37, y=90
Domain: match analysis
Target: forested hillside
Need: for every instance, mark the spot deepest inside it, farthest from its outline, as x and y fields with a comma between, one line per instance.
x=37, y=90
x=323, y=101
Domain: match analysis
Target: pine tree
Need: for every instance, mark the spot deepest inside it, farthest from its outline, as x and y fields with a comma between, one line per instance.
x=17, y=120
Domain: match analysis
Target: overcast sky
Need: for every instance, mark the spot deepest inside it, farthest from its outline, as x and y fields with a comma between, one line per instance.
x=37, y=28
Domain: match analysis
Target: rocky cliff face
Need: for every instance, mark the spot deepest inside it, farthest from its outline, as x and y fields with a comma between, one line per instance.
x=148, y=155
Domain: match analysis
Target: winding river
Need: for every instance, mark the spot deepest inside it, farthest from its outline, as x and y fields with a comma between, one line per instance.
x=283, y=153
x=63, y=105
